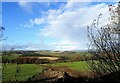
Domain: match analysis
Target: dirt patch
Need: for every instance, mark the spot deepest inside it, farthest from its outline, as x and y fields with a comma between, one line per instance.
x=55, y=74
x=71, y=72
x=49, y=58
x=51, y=76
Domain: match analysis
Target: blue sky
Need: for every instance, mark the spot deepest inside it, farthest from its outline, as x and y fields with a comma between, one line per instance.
x=49, y=25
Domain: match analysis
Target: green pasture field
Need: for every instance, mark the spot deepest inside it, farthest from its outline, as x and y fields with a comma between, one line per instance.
x=78, y=66
x=11, y=56
x=26, y=71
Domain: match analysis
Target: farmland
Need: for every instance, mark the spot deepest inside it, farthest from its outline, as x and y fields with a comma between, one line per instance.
x=46, y=66
x=23, y=66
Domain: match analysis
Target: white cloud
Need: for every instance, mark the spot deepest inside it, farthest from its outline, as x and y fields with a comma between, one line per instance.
x=68, y=24
x=10, y=46
x=27, y=46
x=64, y=45
x=27, y=6
x=32, y=22
x=38, y=21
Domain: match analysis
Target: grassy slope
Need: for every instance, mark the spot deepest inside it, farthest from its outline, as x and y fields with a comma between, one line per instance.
x=11, y=56
x=26, y=71
x=62, y=53
x=79, y=66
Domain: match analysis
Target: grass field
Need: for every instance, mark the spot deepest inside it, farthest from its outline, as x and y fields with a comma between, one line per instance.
x=29, y=70
x=79, y=66
x=11, y=56
x=68, y=54
x=26, y=72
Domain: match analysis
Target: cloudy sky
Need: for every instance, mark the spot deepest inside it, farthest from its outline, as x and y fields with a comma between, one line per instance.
x=50, y=25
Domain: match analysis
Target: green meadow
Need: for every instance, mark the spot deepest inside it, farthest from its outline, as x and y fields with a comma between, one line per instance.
x=78, y=66
x=26, y=71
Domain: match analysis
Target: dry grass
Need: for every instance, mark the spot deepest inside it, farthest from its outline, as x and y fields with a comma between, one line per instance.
x=49, y=58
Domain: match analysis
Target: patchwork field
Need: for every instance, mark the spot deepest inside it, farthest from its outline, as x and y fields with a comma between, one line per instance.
x=31, y=63
x=47, y=66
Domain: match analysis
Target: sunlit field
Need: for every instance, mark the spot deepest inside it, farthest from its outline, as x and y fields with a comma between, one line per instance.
x=78, y=66
x=26, y=71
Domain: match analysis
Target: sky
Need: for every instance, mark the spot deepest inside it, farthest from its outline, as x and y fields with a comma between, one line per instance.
x=50, y=25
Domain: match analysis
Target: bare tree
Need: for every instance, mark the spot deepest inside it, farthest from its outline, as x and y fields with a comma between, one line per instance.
x=1, y=32
x=105, y=43
x=6, y=53
x=1, y=38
